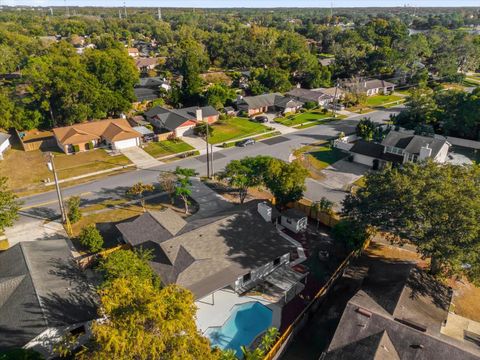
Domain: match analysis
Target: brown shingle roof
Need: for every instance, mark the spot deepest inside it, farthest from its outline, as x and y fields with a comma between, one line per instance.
x=110, y=129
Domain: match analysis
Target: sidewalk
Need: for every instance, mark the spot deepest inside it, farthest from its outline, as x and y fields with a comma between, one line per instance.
x=198, y=143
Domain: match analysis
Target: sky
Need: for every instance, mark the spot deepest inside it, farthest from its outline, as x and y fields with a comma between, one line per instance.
x=245, y=3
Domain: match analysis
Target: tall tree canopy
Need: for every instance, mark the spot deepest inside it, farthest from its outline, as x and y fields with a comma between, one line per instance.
x=436, y=207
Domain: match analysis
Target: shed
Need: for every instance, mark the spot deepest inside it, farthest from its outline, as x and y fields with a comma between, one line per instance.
x=4, y=143
x=294, y=220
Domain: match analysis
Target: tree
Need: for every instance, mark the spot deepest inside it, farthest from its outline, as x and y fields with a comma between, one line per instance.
x=128, y=264
x=366, y=129
x=436, y=207
x=268, y=340
x=218, y=95
x=286, y=181
x=240, y=176
x=420, y=109
x=9, y=206
x=73, y=209
x=138, y=189
x=168, y=181
x=182, y=189
x=323, y=206
x=91, y=238
x=145, y=322
x=201, y=130
x=351, y=234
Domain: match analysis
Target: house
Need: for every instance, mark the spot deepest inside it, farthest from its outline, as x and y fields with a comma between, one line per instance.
x=145, y=94
x=133, y=52
x=305, y=95
x=294, y=220
x=327, y=61
x=116, y=134
x=154, y=83
x=235, y=249
x=400, y=147
x=180, y=121
x=398, y=313
x=145, y=64
x=267, y=102
x=4, y=143
x=334, y=92
x=43, y=296
x=229, y=110
x=369, y=87
x=137, y=120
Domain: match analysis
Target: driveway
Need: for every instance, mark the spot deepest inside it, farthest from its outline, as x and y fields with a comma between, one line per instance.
x=34, y=229
x=341, y=174
x=140, y=157
x=208, y=200
x=279, y=127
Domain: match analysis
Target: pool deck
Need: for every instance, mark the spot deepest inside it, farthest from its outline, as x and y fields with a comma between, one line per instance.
x=215, y=309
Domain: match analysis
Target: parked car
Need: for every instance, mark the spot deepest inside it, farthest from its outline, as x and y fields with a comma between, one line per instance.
x=246, y=142
x=260, y=119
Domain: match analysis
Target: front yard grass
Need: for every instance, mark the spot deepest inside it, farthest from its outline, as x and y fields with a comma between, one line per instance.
x=379, y=100
x=27, y=170
x=235, y=128
x=167, y=147
x=316, y=116
x=317, y=157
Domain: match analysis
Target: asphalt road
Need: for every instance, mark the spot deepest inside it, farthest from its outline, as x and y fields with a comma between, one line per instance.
x=45, y=205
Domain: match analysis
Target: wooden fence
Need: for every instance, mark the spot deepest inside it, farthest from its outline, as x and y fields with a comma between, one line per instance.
x=305, y=206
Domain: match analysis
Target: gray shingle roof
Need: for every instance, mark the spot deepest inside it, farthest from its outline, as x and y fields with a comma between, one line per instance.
x=413, y=143
x=212, y=253
x=170, y=119
x=308, y=95
x=145, y=94
x=377, y=317
x=41, y=287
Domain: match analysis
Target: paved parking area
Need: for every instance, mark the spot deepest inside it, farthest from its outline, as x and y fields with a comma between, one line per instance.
x=33, y=229
x=275, y=140
x=341, y=174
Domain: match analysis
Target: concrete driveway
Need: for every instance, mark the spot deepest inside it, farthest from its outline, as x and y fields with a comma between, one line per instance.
x=140, y=157
x=341, y=174
x=34, y=229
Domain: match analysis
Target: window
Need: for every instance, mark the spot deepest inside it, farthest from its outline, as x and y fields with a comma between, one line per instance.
x=276, y=262
x=394, y=150
x=247, y=277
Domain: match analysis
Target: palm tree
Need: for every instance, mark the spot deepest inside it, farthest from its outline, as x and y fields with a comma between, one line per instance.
x=323, y=206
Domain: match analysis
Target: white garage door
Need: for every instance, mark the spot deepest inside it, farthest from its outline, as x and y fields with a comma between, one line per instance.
x=184, y=130
x=362, y=159
x=123, y=144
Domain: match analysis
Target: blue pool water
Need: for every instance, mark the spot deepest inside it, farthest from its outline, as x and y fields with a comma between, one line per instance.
x=245, y=323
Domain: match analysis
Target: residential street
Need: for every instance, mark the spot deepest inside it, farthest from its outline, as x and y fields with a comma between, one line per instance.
x=45, y=204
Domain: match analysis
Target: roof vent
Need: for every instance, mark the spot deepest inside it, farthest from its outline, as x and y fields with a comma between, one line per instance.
x=364, y=312
x=417, y=346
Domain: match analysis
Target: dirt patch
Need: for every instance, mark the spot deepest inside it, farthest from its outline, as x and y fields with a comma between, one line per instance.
x=231, y=194
x=466, y=298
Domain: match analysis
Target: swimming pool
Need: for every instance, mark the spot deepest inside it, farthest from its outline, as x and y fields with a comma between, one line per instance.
x=245, y=323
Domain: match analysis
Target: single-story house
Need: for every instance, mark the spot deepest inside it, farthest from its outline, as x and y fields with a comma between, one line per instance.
x=145, y=94
x=399, y=148
x=181, y=121
x=294, y=220
x=327, y=61
x=156, y=82
x=400, y=312
x=334, y=92
x=145, y=64
x=133, y=52
x=43, y=296
x=235, y=249
x=267, y=102
x=370, y=87
x=4, y=143
x=306, y=95
x=114, y=133
x=228, y=110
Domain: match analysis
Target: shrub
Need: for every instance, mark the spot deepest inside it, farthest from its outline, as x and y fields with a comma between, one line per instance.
x=76, y=148
x=223, y=117
x=73, y=209
x=352, y=235
x=310, y=105
x=91, y=238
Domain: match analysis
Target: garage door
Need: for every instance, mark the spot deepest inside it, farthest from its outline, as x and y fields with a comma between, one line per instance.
x=123, y=144
x=184, y=130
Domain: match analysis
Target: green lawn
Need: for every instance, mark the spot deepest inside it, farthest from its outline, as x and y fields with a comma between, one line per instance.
x=379, y=100
x=309, y=116
x=325, y=155
x=167, y=147
x=235, y=128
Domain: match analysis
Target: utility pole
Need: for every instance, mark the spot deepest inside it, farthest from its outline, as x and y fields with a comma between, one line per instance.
x=211, y=161
x=335, y=100
x=159, y=14
x=208, y=154
x=51, y=167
